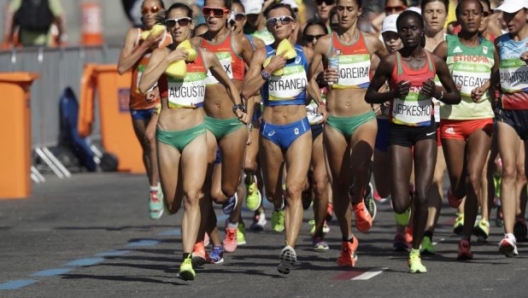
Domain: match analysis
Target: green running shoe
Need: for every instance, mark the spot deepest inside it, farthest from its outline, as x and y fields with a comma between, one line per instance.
x=277, y=220
x=186, y=269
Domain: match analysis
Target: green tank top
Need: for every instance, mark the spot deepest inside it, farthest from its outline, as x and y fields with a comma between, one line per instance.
x=470, y=67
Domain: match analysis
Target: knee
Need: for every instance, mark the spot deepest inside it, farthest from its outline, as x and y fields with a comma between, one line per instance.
x=192, y=198
x=475, y=180
x=321, y=186
x=294, y=190
x=228, y=190
x=509, y=173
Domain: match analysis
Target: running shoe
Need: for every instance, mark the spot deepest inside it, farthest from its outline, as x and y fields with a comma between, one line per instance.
x=326, y=227
x=378, y=198
x=458, y=226
x=399, y=243
x=348, y=256
x=464, y=250
x=329, y=212
x=481, y=230
x=199, y=255
x=499, y=219
x=415, y=262
x=508, y=246
x=370, y=203
x=319, y=244
x=363, y=219
x=217, y=255
x=453, y=201
x=427, y=247
x=259, y=221
x=155, y=205
x=277, y=220
x=288, y=258
x=241, y=234
x=520, y=230
x=254, y=197
x=186, y=270
x=230, y=204
x=230, y=239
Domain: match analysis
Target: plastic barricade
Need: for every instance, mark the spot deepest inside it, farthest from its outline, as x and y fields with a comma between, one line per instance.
x=15, y=145
x=117, y=133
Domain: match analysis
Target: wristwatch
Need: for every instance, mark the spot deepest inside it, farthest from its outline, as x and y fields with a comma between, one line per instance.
x=239, y=107
x=265, y=74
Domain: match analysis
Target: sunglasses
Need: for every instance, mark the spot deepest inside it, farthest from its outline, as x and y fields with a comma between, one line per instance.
x=239, y=16
x=217, y=12
x=182, y=22
x=395, y=8
x=284, y=20
x=312, y=38
x=327, y=2
x=153, y=9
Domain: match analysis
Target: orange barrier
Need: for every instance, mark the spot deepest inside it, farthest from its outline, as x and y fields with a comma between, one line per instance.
x=15, y=146
x=92, y=24
x=117, y=133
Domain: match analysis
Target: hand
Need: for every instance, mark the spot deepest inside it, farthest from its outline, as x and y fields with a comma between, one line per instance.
x=524, y=57
x=477, y=93
x=178, y=54
x=377, y=109
x=428, y=88
x=402, y=89
x=321, y=110
x=152, y=95
x=242, y=116
x=277, y=62
x=330, y=76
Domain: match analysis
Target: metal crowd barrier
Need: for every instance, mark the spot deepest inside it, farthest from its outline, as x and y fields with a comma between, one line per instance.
x=58, y=68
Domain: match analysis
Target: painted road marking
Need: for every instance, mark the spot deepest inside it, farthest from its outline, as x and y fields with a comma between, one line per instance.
x=85, y=262
x=113, y=253
x=142, y=243
x=17, y=284
x=360, y=274
x=52, y=272
x=370, y=273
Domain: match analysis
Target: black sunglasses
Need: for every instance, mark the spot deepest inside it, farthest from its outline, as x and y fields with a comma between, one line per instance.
x=327, y=2
x=284, y=20
x=182, y=22
x=312, y=38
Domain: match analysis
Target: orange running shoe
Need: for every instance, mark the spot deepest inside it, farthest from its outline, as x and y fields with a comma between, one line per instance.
x=464, y=250
x=363, y=218
x=199, y=255
x=409, y=234
x=348, y=255
x=230, y=240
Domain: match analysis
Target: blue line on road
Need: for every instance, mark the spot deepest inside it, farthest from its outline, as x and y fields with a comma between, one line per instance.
x=16, y=284
x=173, y=232
x=51, y=272
x=112, y=253
x=85, y=262
x=141, y=243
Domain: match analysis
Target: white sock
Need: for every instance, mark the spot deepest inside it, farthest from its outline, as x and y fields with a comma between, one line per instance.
x=153, y=188
x=231, y=225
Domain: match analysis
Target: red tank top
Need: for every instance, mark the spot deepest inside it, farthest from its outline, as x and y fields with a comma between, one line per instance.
x=415, y=109
x=233, y=64
x=354, y=63
x=137, y=99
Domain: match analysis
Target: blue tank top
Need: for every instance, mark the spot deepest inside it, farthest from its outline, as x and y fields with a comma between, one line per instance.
x=513, y=73
x=290, y=87
x=251, y=41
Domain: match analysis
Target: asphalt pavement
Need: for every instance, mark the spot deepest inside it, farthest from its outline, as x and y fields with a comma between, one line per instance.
x=90, y=236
